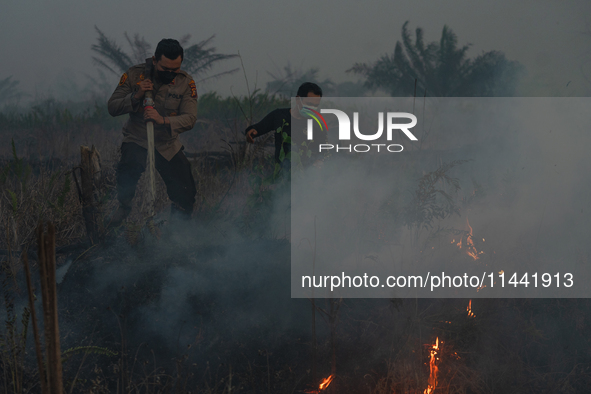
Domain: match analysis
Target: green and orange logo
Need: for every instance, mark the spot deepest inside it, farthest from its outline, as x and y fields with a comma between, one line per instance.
x=316, y=116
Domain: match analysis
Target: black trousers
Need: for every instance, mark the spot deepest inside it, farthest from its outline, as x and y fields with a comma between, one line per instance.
x=176, y=174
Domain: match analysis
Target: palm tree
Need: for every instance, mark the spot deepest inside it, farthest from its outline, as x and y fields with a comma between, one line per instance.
x=9, y=90
x=199, y=58
x=440, y=69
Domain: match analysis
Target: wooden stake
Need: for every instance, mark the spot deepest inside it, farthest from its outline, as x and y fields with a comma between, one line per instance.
x=38, y=351
x=46, y=243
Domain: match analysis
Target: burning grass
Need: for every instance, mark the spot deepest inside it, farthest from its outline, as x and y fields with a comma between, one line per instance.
x=207, y=307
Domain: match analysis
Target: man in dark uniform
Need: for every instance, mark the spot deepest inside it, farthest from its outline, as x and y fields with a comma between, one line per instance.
x=174, y=112
x=308, y=96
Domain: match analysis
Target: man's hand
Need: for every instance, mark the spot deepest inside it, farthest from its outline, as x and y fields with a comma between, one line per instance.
x=250, y=135
x=153, y=115
x=144, y=86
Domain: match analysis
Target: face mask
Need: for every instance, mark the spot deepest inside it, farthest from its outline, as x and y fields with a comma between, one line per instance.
x=166, y=76
x=306, y=109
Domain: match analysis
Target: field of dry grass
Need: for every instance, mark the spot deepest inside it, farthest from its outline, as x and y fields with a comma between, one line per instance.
x=206, y=307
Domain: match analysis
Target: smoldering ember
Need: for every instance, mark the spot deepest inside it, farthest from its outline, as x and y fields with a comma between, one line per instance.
x=149, y=238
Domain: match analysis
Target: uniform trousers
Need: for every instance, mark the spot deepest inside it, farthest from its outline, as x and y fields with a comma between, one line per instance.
x=176, y=174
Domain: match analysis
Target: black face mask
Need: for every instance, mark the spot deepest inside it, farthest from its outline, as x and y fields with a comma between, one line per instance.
x=166, y=76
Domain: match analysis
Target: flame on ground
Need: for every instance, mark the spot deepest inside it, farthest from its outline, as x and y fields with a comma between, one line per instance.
x=433, y=369
x=322, y=386
x=469, y=309
x=470, y=248
x=325, y=383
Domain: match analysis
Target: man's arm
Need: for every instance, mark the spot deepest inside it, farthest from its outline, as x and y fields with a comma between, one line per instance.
x=266, y=125
x=121, y=102
x=187, y=116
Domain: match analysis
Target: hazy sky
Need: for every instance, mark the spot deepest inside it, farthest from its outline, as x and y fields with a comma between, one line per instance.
x=47, y=43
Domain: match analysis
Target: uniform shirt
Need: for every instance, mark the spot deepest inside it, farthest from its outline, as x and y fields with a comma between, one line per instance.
x=177, y=101
x=282, y=117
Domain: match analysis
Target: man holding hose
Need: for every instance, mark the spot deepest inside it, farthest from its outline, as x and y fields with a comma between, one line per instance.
x=174, y=111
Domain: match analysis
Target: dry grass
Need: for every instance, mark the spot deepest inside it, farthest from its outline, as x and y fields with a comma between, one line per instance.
x=510, y=346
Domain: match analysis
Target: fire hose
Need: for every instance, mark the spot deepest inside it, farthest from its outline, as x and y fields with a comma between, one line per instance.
x=149, y=103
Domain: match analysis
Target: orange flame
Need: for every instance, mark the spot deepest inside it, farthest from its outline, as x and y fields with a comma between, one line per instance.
x=433, y=368
x=469, y=309
x=322, y=386
x=325, y=383
x=470, y=248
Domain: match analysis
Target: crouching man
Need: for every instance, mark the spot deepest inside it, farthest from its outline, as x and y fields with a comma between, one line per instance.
x=174, y=112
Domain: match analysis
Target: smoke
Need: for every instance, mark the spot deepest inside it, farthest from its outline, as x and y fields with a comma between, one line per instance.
x=203, y=290
x=216, y=294
x=506, y=175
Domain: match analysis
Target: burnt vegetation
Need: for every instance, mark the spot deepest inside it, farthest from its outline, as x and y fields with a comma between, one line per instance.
x=205, y=307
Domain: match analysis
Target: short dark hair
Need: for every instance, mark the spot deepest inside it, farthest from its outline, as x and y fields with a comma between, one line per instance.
x=170, y=48
x=308, y=87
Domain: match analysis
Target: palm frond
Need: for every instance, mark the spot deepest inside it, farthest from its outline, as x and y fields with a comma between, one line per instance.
x=109, y=50
x=140, y=48
x=8, y=89
x=440, y=68
x=199, y=59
